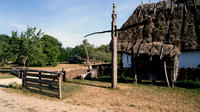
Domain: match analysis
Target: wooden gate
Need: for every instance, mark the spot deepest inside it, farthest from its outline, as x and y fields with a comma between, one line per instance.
x=43, y=82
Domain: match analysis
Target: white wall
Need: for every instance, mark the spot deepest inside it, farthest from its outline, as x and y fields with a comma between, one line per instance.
x=126, y=60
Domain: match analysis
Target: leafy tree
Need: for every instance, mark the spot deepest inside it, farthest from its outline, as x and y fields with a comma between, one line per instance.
x=101, y=54
x=81, y=49
x=4, y=39
x=31, y=49
x=51, y=49
x=66, y=54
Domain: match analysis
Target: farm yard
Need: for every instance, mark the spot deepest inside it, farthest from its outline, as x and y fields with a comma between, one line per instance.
x=95, y=95
x=150, y=63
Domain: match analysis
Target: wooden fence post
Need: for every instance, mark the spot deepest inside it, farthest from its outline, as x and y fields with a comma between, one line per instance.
x=24, y=78
x=40, y=89
x=60, y=85
x=22, y=75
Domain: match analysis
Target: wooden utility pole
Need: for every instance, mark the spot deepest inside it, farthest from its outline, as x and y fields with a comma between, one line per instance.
x=114, y=47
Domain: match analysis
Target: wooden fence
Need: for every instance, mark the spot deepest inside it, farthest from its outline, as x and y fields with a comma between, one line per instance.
x=43, y=82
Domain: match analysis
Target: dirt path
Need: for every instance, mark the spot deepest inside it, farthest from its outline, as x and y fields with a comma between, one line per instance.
x=5, y=82
x=10, y=102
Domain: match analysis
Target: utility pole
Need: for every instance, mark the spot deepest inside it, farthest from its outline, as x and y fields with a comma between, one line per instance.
x=114, y=47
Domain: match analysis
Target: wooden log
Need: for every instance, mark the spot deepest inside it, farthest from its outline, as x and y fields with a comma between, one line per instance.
x=165, y=68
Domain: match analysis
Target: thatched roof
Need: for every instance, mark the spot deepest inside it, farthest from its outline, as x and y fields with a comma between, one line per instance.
x=153, y=48
x=166, y=24
x=156, y=48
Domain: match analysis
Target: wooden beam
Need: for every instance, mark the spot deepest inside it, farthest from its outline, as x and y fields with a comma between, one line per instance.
x=165, y=68
x=114, y=47
x=60, y=87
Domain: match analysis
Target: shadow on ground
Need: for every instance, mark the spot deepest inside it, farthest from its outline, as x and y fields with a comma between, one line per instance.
x=188, y=84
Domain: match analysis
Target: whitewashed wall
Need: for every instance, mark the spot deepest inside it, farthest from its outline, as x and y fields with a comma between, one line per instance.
x=126, y=60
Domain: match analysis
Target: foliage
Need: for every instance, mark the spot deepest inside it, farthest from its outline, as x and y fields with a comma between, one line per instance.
x=33, y=48
x=50, y=49
x=3, y=46
x=95, y=54
x=80, y=50
x=30, y=48
x=65, y=54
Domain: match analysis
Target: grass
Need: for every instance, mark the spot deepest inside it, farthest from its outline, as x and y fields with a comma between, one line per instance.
x=67, y=90
x=31, y=110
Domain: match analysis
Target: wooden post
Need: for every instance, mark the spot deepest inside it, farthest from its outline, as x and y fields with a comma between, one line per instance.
x=165, y=68
x=135, y=78
x=114, y=47
x=176, y=67
x=64, y=75
x=60, y=85
x=23, y=79
x=40, y=89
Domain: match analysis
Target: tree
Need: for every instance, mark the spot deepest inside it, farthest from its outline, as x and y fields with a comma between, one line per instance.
x=4, y=39
x=51, y=49
x=31, y=50
x=80, y=49
x=66, y=54
x=101, y=54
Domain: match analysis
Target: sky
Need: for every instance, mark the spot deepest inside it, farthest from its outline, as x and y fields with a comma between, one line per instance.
x=67, y=20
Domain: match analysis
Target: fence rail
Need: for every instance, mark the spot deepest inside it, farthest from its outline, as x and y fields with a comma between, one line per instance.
x=43, y=82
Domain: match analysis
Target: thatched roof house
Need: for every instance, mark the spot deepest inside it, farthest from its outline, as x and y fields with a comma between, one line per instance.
x=153, y=49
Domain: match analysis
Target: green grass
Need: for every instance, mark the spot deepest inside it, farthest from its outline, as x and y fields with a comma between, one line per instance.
x=68, y=89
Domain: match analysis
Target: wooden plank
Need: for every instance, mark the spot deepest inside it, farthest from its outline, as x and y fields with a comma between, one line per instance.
x=42, y=92
x=41, y=87
x=165, y=68
x=59, y=88
x=42, y=76
x=52, y=83
x=43, y=71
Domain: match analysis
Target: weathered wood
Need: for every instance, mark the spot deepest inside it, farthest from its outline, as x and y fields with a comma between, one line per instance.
x=135, y=78
x=59, y=87
x=114, y=47
x=40, y=87
x=42, y=81
x=49, y=83
x=165, y=68
x=42, y=76
x=43, y=71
